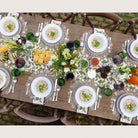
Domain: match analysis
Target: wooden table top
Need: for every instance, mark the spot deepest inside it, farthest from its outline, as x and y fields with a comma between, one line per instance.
x=75, y=33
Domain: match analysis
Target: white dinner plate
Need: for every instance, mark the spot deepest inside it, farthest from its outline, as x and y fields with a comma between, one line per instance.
x=37, y=93
x=129, y=114
x=6, y=78
x=51, y=26
x=85, y=104
x=9, y=18
x=3, y=76
x=135, y=42
x=103, y=39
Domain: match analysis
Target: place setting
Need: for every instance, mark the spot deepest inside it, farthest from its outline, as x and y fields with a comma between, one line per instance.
x=97, y=42
x=41, y=87
x=5, y=78
x=131, y=47
x=83, y=96
x=12, y=25
x=125, y=106
x=54, y=33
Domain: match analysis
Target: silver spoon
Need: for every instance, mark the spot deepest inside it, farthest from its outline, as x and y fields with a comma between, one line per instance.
x=24, y=29
x=14, y=82
x=67, y=33
x=28, y=84
x=58, y=89
x=100, y=96
x=70, y=94
x=37, y=33
x=113, y=108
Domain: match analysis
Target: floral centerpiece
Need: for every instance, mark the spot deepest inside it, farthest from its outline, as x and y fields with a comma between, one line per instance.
x=64, y=60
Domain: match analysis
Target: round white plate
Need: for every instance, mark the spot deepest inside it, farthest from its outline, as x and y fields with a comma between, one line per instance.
x=37, y=93
x=102, y=37
x=3, y=74
x=53, y=26
x=129, y=114
x=85, y=104
x=7, y=18
x=132, y=48
x=6, y=76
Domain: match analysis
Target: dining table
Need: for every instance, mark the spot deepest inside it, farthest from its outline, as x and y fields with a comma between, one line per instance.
x=75, y=33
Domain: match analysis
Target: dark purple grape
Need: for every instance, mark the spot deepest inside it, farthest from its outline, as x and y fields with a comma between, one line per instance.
x=117, y=59
x=98, y=70
x=107, y=69
x=20, y=62
x=103, y=75
x=69, y=76
x=119, y=86
x=70, y=45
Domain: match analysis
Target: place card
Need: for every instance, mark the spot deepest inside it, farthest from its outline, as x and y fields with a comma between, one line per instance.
x=97, y=30
x=82, y=110
x=125, y=119
x=13, y=14
x=39, y=101
x=56, y=22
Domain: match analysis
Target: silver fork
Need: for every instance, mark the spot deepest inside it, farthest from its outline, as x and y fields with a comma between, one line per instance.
x=24, y=29
x=14, y=82
x=38, y=29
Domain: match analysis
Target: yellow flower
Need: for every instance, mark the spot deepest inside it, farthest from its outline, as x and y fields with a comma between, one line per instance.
x=3, y=48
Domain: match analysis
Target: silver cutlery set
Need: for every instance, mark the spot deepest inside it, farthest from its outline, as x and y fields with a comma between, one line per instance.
x=56, y=91
x=12, y=86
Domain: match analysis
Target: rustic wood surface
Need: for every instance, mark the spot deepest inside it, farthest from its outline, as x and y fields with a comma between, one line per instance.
x=75, y=32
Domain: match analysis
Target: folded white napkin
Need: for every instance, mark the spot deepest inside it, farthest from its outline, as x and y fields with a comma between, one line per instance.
x=56, y=22
x=98, y=30
x=14, y=14
x=82, y=110
x=39, y=101
x=125, y=119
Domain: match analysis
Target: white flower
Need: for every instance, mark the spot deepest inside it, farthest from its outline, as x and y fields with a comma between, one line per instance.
x=72, y=62
x=66, y=51
x=54, y=57
x=50, y=63
x=63, y=63
x=66, y=70
x=76, y=64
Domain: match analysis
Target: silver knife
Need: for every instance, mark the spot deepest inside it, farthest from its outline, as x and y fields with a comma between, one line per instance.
x=97, y=98
x=55, y=89
x=84, y=47
x=41, y=27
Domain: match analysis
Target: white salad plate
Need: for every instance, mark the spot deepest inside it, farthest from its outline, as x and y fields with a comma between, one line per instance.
x=36, y=92
x=6, y=78
x=135, y=42
x=90, y=102
x=129, y=114
x=9, y=18
x=48, y=26
x=102, y=37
